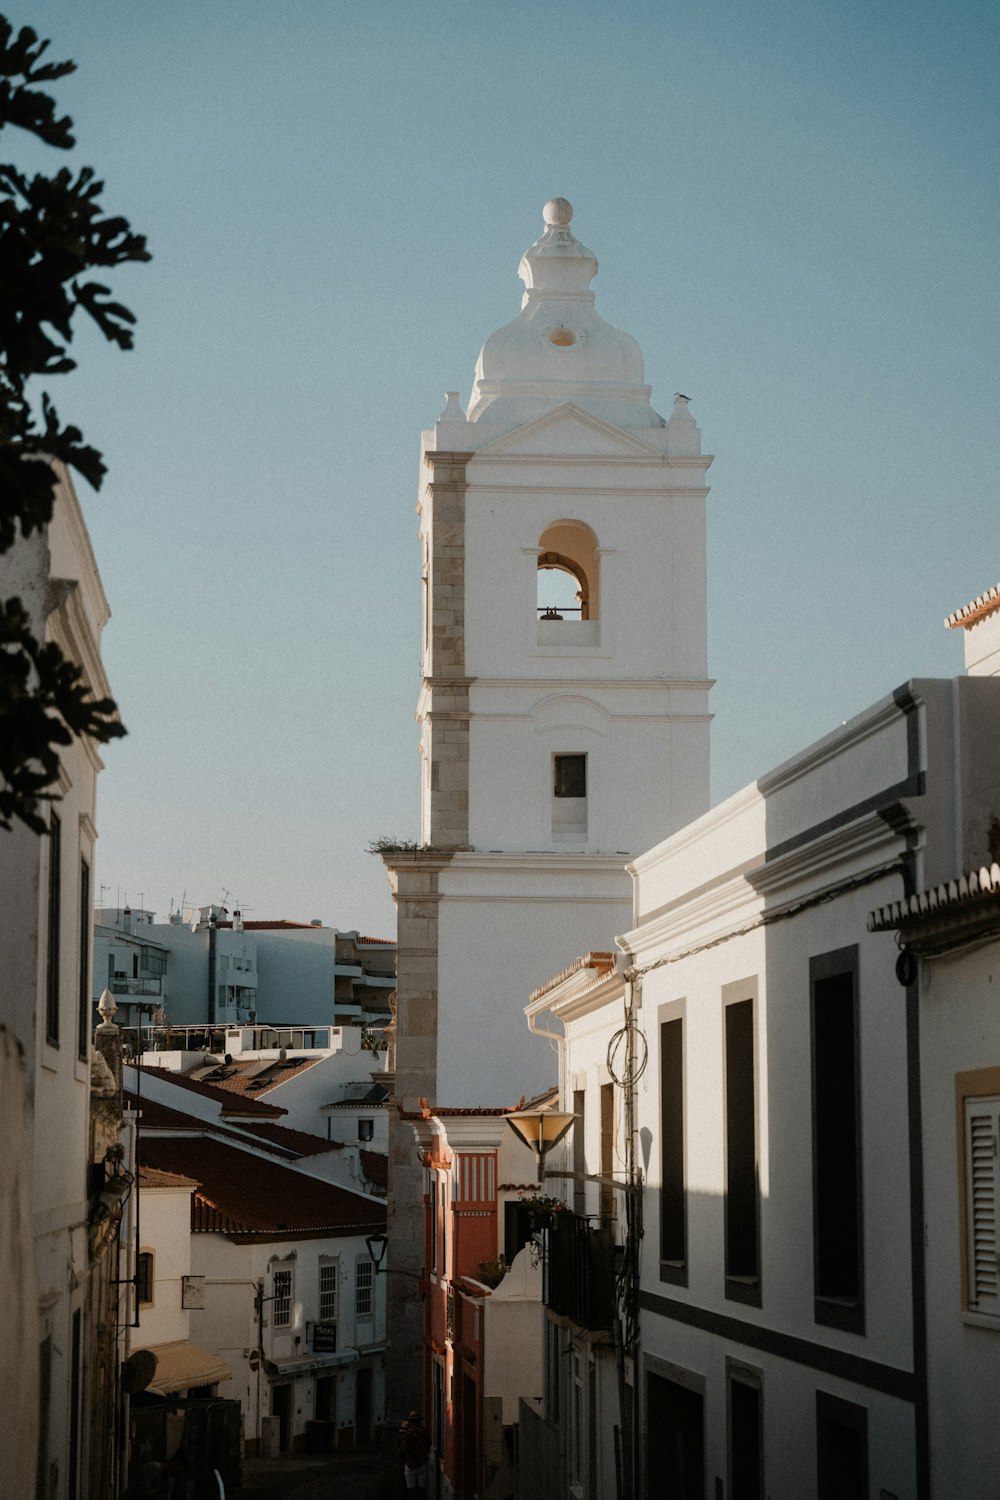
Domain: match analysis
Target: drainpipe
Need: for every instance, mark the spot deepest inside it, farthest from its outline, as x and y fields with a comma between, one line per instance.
x=553, y=1036
x=633, y=1210
x=212, y=940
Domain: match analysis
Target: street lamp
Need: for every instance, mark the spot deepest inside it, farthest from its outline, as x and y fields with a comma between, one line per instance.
x=377, y=1246
x=540, y=1130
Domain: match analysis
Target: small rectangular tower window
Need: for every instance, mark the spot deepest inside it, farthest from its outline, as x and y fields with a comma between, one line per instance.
x=571, y=776
x=569, y=799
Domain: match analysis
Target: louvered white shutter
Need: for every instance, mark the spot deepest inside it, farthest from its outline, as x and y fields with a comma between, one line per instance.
x=982, y=1186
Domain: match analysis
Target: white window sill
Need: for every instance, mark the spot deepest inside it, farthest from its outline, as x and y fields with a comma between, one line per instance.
x=981, y=1320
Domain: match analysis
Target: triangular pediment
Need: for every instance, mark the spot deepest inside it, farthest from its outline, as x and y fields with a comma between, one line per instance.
x=568, y=432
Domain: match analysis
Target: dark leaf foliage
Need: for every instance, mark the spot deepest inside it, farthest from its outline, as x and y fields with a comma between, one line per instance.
x=54, y=233
x=44, y=702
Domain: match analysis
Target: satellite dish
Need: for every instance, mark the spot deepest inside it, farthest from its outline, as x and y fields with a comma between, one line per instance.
x=282, y=1054
x=138, y=1370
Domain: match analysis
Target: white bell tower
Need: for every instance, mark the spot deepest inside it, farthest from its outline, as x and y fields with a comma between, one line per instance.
x=564, y=709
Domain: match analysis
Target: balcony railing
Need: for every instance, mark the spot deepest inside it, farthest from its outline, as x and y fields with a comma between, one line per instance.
x=146, y=986
x=580, y=1270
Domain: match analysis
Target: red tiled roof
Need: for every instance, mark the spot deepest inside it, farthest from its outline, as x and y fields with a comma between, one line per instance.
x=249, y=1078
x=601, y=962
x=375, y=1167
x=222, y=1091
x=261, y=1199
x=970, y=614
x=150, y=1177
x=277, y=1139
x=383, y=942
x=299, y=1141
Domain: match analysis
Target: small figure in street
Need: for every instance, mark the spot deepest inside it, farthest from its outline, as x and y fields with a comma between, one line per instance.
x=415, y=1446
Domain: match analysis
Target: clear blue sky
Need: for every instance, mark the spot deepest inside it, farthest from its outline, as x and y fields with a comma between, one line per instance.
x=795, y=210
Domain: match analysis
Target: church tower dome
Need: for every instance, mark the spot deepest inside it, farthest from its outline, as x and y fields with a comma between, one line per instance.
x=559, y=348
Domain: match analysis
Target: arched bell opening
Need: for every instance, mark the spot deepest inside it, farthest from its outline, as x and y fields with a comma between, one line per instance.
x=567, y=573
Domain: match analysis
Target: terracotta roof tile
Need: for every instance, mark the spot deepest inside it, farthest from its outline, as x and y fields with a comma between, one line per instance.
x=603, y=963
x=221, y=1090
x=299, y=1141
x=252, y=1077
x=259, y=1198
x=150, y=1177
x=969, y=614
x=276, y=1139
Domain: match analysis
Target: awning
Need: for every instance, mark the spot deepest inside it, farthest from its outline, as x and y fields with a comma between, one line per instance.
x=277, y=1368
x=182, y=1365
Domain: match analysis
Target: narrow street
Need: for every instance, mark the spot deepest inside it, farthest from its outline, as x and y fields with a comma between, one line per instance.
x=369, y=1474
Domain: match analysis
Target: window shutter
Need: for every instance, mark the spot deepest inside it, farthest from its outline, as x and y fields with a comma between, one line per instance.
x=983, y=1202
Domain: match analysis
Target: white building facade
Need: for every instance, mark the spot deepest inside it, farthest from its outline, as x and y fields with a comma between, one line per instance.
x=58, y=1367
x=801, y=1323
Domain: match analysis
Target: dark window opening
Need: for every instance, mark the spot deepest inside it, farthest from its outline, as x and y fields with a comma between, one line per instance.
x=579, y=1151
x=606, y=1207
x=52, y=970
x=675, y=1442
x=673, y=1209
x=366, y=1130
x=837, y=1202
x=571, y=776
x=742, y=1248
x=144, y=1277
x=841, y=1449
x=746, y=1478
x=83, y=1014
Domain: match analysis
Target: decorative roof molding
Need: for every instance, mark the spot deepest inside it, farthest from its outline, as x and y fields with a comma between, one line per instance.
x=968, y=907
x=971, y=614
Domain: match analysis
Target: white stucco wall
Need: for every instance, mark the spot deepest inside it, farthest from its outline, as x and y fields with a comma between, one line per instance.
x=165, y=1230
x=228, y=1326
x=523, y=922
x=512, y=1336
x=959, y=1034
x=55, y=574
x=745, y=894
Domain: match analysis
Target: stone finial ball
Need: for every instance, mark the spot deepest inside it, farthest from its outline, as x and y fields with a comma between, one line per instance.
x=557, y=212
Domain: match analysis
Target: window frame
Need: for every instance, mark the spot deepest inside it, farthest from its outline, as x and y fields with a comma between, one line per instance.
x=560, y=760
x=674, y=1268
x=149, y=1258
x=329, y=1267
x=980, y=1085
x=282, y=1301
x=53, y=965
x=834, y=1411
x=834, y=1310
x=751, y=1377
x=740, y=1286
x=364, y=1282
x=85, y=982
